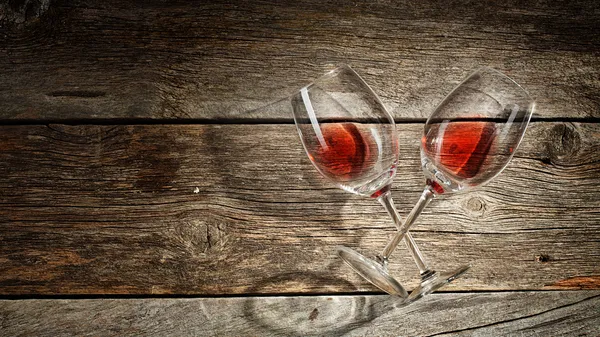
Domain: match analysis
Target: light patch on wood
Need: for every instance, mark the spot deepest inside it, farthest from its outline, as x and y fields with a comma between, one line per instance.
x=540, y=313
x=576, y=283
x=158, y=290
x=65, y=257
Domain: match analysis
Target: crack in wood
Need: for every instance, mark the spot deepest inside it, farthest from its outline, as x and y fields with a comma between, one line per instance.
x=515, y=319
x=76, y=93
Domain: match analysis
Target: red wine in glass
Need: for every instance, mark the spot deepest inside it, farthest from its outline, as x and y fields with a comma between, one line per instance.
x=460, y=149
x=344, y=152
x=357, y=156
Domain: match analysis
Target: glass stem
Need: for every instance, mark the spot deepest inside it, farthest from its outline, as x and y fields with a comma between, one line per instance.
x=387, y=202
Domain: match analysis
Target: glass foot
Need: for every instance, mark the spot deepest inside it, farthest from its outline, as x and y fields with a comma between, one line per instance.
x=434, y=282
x=371, y=271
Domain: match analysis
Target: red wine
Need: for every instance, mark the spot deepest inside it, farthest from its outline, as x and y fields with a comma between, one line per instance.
x=460, y=148
x=345, y=153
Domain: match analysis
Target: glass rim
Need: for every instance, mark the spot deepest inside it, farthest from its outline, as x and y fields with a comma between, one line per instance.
x=495, y=71
x=345, y=67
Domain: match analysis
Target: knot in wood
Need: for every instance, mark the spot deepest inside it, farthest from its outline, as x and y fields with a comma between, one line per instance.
x=476, y=206
x=564, y=142
x=542, y=258
x=22, y=11
x=199, y=237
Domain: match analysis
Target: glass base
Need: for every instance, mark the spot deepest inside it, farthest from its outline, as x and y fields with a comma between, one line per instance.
x=371, y=271
x=434, y=282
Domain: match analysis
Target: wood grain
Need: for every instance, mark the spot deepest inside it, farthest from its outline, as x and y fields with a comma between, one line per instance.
x=232, y=209
x=478, y=314
x=72, y=60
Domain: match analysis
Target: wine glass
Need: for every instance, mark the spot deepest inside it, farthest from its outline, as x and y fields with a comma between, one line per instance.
x=351, y=139
x=468, y=140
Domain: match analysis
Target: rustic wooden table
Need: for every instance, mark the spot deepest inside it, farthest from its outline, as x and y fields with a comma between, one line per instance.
x=145, y=189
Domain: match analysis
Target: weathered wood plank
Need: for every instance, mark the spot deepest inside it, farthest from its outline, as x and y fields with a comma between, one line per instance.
x=215, y=209
x=480, y=314
x=213, y=60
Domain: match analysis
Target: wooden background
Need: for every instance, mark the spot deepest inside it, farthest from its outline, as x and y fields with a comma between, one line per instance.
x=149, y=185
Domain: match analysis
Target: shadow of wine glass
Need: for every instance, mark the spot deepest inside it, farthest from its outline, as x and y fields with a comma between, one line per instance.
x=271, y=172
x=322, y=315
